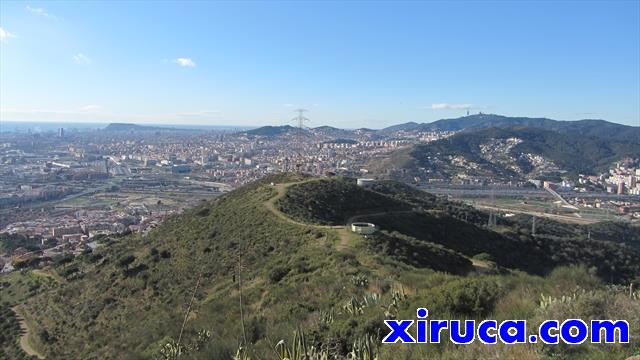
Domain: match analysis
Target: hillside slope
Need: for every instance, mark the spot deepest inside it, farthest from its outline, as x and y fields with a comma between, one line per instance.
x=289, y=266
x=516, y=152
x=578, y=128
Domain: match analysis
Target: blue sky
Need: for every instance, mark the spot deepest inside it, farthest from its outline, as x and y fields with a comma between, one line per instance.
x=351, y=64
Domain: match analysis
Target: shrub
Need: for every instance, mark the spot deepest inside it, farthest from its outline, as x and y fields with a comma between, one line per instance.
x=126, y=260
x=469, y=296
x=277, y=273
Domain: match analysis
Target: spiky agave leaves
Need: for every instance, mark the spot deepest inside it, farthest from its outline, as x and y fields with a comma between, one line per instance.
x=241, y=354
x=299, y=349
x=172, y=350
x=365, y=347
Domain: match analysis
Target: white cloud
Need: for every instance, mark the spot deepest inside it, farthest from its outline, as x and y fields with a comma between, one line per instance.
x=91, y=108
x=4, y=34
x=82, y=59
x=185, y=62
x=445, y=106
x=39, y=11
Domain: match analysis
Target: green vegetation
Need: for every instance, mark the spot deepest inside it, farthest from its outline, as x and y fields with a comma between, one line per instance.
x=232, y=278
x=585, y=154
x=620, y=232
x=418, y=253
x=580, y=128
x=10, y=334
x=334, y=201
x=16, y=288
x=9, y=243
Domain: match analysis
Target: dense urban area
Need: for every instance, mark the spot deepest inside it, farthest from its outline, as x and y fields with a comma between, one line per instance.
x=64, y=190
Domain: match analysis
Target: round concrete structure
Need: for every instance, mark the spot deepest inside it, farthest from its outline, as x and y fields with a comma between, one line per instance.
x=363, y=182
x=363, y=228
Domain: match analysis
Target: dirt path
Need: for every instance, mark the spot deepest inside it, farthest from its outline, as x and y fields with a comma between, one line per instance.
x=25, y=345
x=379, y=213
x=347, y=238
x=341, y=230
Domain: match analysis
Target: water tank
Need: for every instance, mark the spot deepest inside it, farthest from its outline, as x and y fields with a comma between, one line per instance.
x=363, y=228
x=366, y=182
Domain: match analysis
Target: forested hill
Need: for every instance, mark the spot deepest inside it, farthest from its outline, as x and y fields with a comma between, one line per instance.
x=511, y=153
x=579, y=128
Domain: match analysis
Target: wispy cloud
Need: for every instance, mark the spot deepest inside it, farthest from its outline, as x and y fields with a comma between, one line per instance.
x=82, y=59
x=90, y=108
x=446, y=106
x=39, y=11
x=185, y=62
x=4, y=35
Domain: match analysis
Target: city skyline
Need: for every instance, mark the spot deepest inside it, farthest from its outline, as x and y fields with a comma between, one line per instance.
x=352, y=64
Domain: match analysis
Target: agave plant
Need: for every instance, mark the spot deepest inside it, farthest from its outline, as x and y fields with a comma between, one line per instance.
x=397, y=298
x=202, y=337
x=546, y=301
x=299, y=349
x=171, y=351
x=370, y=299
x=360, y=281
x=241, y=354
x=353, y=307
x=327, y=317
x=364, y=348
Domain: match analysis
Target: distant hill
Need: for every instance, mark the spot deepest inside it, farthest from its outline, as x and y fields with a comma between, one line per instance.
x=333, y=132
x=269, y=131
x=276, y=256
x=327, y=132
x=586, y=128
x=404, y=127
x=599, y=128
x=512, y=152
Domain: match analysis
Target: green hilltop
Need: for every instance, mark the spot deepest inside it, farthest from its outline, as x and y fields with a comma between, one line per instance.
x=275, y=260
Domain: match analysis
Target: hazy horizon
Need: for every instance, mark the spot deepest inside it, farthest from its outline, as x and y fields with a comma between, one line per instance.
x=88, y=124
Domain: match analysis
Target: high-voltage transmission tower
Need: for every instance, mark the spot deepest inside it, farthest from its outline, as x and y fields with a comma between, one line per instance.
x=300, y=120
